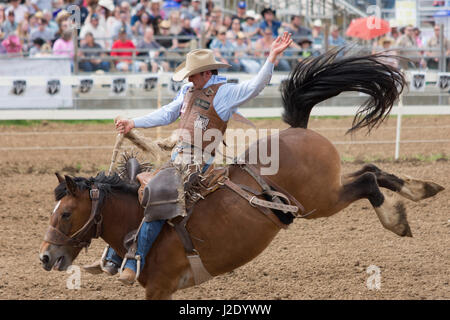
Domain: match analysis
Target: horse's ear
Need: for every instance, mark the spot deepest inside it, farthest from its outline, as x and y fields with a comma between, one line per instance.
x=71, y=185
x=60, y=178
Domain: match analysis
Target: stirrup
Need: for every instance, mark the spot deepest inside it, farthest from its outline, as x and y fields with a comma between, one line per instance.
x=138, y=265
x=103, y=258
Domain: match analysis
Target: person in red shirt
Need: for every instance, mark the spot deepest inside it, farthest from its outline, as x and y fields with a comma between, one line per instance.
x=126, y=65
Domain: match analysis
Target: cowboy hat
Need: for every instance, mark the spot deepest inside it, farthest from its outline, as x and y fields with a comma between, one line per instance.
x=107, y=4
x=386, y=39
x=197, y=61
x=265, y=10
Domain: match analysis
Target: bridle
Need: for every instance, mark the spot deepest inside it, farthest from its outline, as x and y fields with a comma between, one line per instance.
x=80, y=239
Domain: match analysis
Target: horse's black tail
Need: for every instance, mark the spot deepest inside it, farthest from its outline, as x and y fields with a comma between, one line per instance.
x=317, y=79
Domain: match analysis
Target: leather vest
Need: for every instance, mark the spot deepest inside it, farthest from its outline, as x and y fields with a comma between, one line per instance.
x=198, y=115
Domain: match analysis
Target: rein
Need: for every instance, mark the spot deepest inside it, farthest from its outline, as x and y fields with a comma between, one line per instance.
x=80, y=238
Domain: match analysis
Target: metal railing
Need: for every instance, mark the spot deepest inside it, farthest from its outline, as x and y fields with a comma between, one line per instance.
x=175, y=56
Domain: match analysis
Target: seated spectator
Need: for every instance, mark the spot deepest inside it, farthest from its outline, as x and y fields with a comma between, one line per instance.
x=169, y=42
x=418, y=37
x=432, y=59
x=250, y=27
x=384, y=45
x=113, y=19
x=126, y=7
x=124, y=23
x=165, y=38
x=152, y=50
x=175, y=22
x=317, y=35
x=156, y=11
x=64, y=45
x=23, y=31
x=235, y=29
x=262, y=49
x=62, y=19
x=187, y=36
x=142, y=24
x=2, y=15
x=196, y=8
x=241, y=11
x=298, y=31
x=335, y=40
x=185, y=11
x=36, y=47
x=51, y=24
x=139, y=10
x=97, y=31
x=242, y=54
x=43, y=31
x=45, y=51
x=126, y=64
x=42, y=5
x=19, y=10
x=12, y=45
x=224, y=50
x=10, y=25
x=269, y=22
x=306, y=49
x=92, y=61
x=227, y=21
x=408, y=41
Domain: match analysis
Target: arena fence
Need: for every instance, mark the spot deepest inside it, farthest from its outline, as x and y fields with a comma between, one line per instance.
x=160, y=84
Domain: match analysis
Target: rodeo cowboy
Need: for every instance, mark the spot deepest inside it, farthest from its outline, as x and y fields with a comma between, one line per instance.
x=206, y=101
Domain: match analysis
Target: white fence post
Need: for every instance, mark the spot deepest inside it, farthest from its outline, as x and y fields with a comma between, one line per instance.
x=399, y=126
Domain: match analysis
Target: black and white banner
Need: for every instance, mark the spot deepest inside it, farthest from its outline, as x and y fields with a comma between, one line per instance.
x=150, y=83
x=53, y=87
x=418, y=81
x=86, y=85
x=175, y=86
x=443, y=80
x=18, y=87
x=119, y=86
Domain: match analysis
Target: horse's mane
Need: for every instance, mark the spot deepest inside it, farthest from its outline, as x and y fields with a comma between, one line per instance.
x=109, y=184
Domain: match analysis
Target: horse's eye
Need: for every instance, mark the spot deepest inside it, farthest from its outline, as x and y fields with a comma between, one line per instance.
x=66, y=215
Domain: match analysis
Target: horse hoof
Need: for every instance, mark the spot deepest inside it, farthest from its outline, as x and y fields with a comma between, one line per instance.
x=417, y=190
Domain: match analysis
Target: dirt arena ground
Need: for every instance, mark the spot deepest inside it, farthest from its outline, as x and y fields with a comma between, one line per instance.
x=315, y=259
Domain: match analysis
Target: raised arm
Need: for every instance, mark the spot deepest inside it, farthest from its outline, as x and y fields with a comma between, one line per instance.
x=234, y=95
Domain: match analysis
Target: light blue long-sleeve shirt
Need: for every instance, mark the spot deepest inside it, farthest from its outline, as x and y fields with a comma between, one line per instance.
x=228, y=98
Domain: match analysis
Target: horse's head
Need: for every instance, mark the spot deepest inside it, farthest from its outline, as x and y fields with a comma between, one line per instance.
x=73, y=223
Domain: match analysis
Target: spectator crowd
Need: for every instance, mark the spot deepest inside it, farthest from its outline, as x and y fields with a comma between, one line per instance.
x=149, y=35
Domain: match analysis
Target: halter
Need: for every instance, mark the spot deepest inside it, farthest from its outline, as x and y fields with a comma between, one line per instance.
x=79, y=239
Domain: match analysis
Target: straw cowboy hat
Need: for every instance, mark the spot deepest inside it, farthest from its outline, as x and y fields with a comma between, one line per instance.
x=198, y=60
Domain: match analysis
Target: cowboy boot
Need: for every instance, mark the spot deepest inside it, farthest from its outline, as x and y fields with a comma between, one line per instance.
x=109, y=268
x=111, y=262
x=127, y=276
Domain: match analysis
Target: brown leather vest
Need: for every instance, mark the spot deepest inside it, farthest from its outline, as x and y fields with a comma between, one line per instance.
x=198, y=114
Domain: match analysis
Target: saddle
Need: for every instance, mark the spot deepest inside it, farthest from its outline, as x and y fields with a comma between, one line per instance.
x=169, y=194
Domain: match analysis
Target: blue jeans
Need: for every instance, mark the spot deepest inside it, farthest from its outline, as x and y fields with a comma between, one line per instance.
x=88, y=66
x=147, y=235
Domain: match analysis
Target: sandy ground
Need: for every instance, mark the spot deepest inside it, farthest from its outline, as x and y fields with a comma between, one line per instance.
x=314, y=259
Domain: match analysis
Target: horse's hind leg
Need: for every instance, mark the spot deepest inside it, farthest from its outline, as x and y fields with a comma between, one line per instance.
x=391, y=213
x=407, y=187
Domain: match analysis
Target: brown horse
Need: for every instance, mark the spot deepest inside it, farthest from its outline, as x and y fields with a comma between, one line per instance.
x=226, y=231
